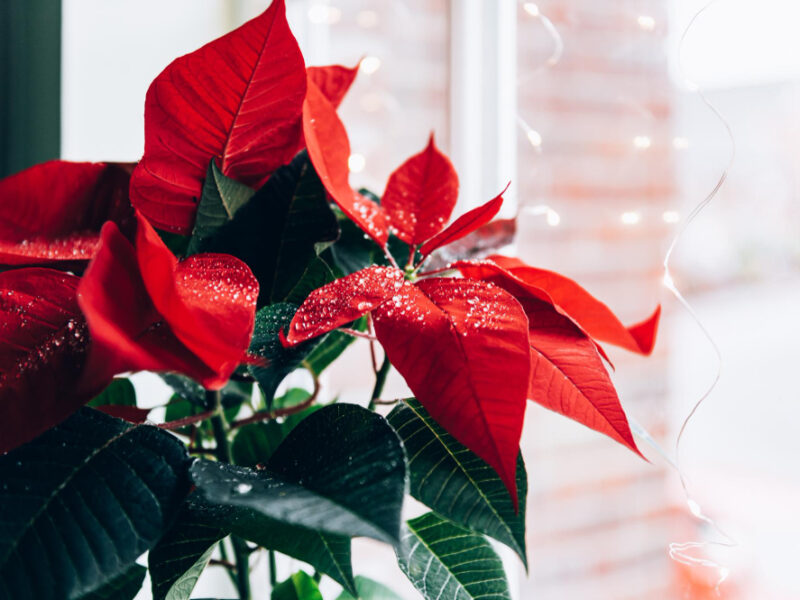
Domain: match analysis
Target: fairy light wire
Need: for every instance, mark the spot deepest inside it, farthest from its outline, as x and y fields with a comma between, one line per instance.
x=681, y=551
x=678, y=551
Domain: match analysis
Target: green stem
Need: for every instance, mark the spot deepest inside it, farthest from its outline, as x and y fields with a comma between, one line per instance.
x=273, y=569
x=380, y=381
x=223, y=452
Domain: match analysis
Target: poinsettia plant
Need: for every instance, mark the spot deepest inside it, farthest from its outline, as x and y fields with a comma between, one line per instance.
x=233, y=254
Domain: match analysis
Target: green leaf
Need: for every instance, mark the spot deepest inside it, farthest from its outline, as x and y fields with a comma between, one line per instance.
x=277, y=231
x=354, y=250
x=457, y=484
x=266, y=344
x=341, y=471
x=176, y=242
x=221, y=200
x=86, y=499
x=329, y=554
x=180, y=557
x=331, y=347
x=299, y=586
x=369, y=589
x=255, y=443
x=123, y=587
x=317, y=274
x=444, y=560
x=120, y=392
x=291, y=398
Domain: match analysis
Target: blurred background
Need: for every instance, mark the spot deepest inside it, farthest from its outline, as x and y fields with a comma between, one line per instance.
x=591, y=109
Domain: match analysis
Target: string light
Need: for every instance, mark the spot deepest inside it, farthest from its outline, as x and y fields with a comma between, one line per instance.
x=356, y=163
x=532, y=9
x=646, y=22
x=680, y=143
x=642, y=142
x=534, y=137
x=370, y=64
x=631, y=217
x=671, y=216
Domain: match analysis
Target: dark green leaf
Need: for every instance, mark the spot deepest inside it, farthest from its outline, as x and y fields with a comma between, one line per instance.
x=331, y=347
x=277, y=231
x=119, y=392
x=354, y=250
x=329, y=554
x=444, y=560
x=255, y=443
x=176, y=242
x=299, y=586
x=180, y=557
x=86, y=499
x=457, y=484
x=123, y=587
x=186, y=387
x=341, y=470
x=400, y=251
x=317, y=274
x=266, y=344
x=369, y=589
x=221, y=200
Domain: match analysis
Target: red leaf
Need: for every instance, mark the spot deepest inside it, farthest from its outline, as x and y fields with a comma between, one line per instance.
x=568, y=376
x=237, y=99
x=421, y=194
x=132, y=414
x=329, y=151
x=465, y=224
x=333, y=81
x=591, y=315
x=462, y=347
x=54, y=211
x=146, y=311
x=342, y=301
x=43, y=342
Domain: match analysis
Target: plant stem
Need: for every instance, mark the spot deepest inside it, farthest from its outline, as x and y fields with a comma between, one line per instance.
x=223, y=452
x=380, y=381
x=273, y=569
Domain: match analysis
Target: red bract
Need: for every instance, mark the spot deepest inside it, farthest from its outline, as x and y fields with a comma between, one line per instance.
x=53, y=212
x=568, y=375
x=43, y=340
x=238, y=100
x=465, y=224
x=461, y=345
x=342, y=301
x=147, y=311
x=569, y=298
x=421, y=194
x=333, y=81
x=329, y=151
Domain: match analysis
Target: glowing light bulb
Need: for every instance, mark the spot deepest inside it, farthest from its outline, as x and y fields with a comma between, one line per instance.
x=642, y=142
x=367, y=19
x=553, y=218
x=370, y=64
x=646, y=22
x=534, y=137
x=531, y=9
x=630, y=218
x=671, y=216
x=680, y=143
x=356, y=163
